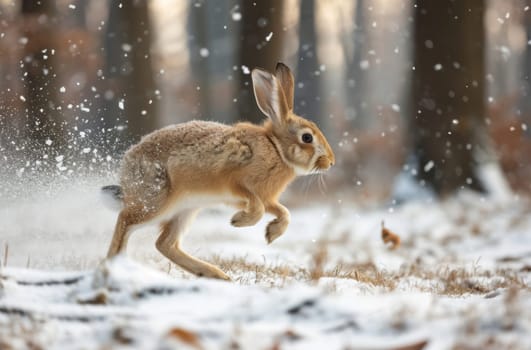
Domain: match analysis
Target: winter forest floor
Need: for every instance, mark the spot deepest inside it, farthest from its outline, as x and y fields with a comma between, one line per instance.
x=460, y=278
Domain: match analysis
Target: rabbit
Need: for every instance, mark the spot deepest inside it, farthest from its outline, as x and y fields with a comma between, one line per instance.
x=175, y=171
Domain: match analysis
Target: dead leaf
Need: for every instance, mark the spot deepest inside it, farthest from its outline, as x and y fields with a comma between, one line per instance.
x=99, y=298
x=415, y=346
x=389, y=237
x=185, y=336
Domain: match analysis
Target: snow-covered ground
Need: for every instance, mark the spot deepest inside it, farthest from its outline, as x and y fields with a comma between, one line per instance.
x=459, y=279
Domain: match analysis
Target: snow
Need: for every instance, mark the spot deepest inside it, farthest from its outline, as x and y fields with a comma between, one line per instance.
x=127, y=47
x=204, y=52
x=236, y=16
x=245, y=70
x=459, y=278
x=428, y=166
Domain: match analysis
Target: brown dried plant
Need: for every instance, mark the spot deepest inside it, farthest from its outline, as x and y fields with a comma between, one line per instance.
x=390, y=237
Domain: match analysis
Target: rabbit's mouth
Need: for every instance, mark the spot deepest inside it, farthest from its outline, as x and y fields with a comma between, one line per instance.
x=323, y=163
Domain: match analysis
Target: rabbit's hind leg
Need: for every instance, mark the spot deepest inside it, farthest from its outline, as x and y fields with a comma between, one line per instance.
x=127, y=217
x=169, y=245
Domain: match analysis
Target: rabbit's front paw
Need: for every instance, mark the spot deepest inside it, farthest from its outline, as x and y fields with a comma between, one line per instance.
x=243, y=218
x=275, y=229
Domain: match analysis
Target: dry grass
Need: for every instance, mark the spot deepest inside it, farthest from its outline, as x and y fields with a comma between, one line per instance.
x=447, y=281
x=21, y=333
x=253, y=273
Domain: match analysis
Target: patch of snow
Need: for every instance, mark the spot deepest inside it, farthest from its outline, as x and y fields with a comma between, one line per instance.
x=72, y=298
x=492, y=177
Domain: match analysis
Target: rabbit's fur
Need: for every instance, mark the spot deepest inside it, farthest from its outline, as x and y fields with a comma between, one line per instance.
x=174, y=172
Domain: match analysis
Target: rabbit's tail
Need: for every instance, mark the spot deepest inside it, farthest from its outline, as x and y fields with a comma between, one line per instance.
x=113, y=196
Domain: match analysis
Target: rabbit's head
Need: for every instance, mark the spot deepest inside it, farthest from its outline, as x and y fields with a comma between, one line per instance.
x=300, y=142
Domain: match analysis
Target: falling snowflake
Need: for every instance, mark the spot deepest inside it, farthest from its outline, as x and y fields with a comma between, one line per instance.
x=236, y=16
x=203, y=52
x=364, y=64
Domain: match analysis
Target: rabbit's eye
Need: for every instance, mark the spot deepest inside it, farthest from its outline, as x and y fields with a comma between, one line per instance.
x=307, y=138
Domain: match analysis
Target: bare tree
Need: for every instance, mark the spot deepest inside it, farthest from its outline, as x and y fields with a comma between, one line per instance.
x=526, y=98
x=39, y=73
x=448, y=92
x=261, y=46
x=198, y=42
x=79, y=17
x=129, y=68
x=357, y=77
x=308, y=94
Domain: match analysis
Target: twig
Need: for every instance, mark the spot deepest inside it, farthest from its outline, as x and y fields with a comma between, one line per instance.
x=6, y=253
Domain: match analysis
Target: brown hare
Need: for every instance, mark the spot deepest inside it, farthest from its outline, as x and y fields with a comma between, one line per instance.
x=174, y=172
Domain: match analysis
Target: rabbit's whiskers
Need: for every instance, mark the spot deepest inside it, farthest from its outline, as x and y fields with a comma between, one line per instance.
x=322, y=184
x=308, y=182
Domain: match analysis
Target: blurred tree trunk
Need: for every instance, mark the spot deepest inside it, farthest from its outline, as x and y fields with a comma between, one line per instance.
x=80, y=14
x=259, y=19
x=526, y=100
x=38, y=70
x=308, y=88
x=198, y=40
x=356, y=77
x=129, y=69
x=449, y=92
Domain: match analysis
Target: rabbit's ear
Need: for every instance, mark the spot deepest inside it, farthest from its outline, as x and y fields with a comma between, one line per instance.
x=285, y=77
x=269, y=95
